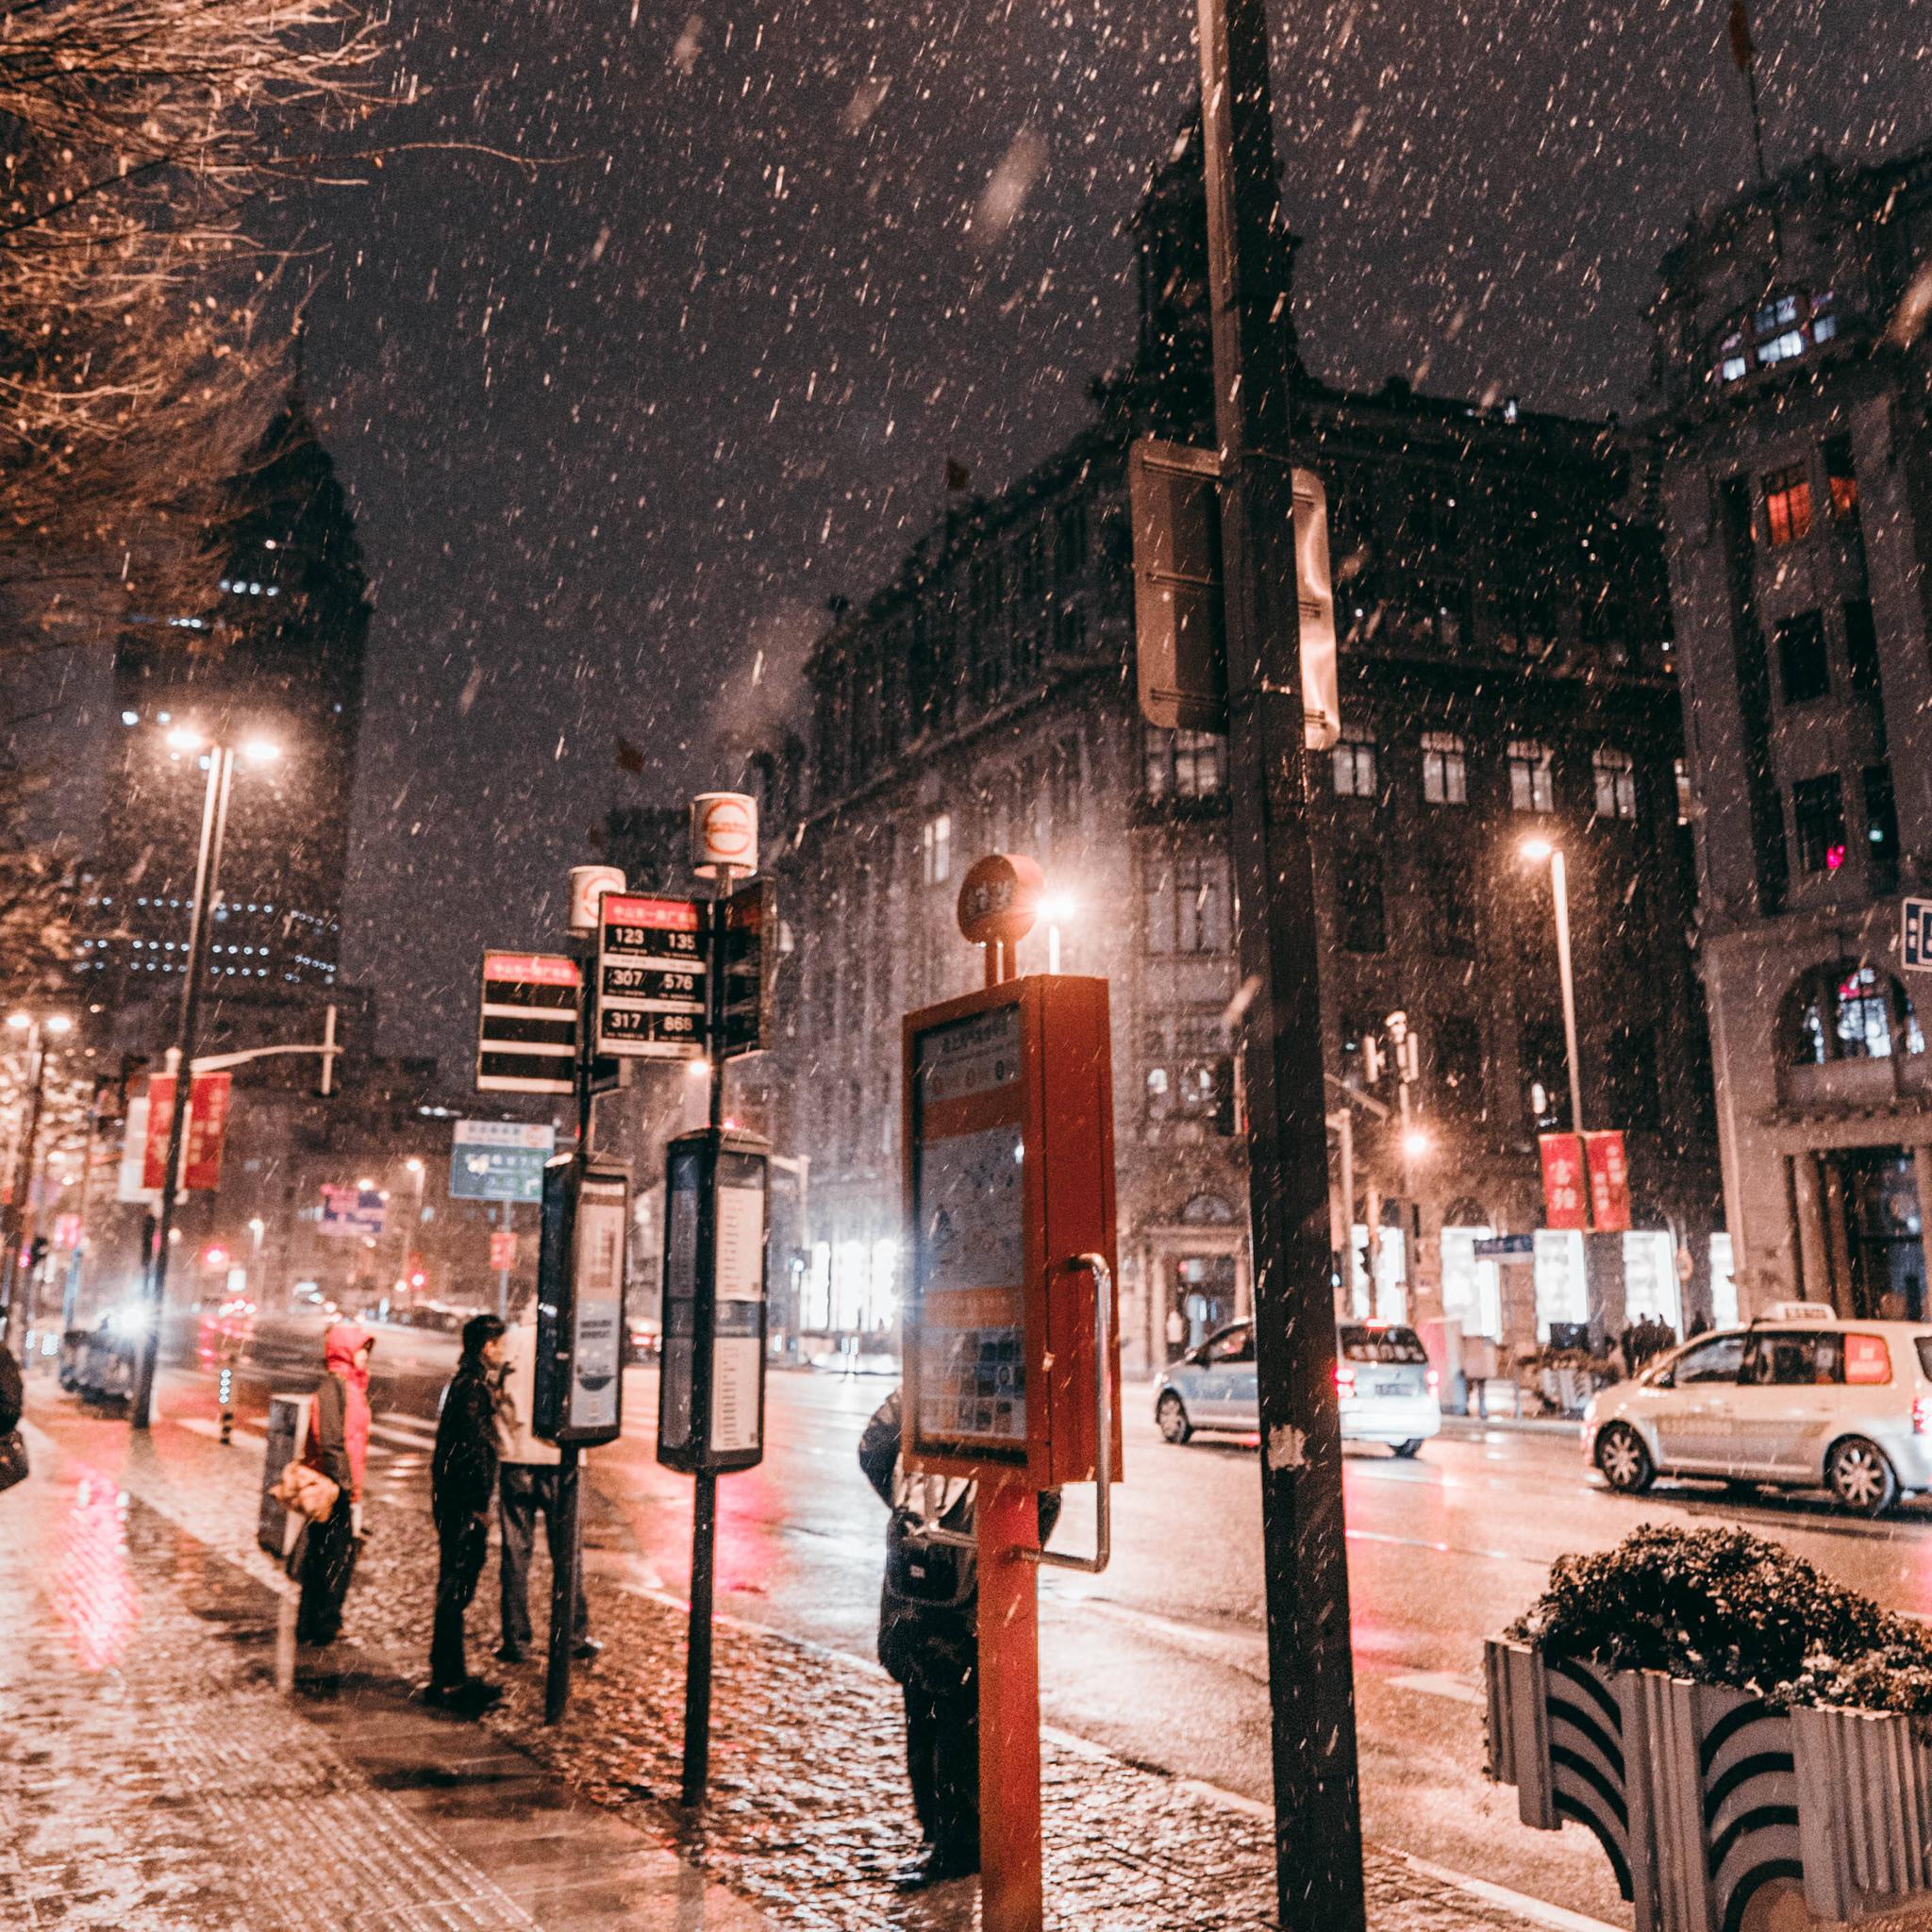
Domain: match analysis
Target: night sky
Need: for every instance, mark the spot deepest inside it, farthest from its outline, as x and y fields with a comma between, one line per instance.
x=617, y=422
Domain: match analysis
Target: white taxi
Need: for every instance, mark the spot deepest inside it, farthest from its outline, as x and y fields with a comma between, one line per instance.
x=1800, y=1396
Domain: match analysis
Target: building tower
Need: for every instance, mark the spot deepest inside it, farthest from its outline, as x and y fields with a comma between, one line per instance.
x=1796, y=473
x=281, y=657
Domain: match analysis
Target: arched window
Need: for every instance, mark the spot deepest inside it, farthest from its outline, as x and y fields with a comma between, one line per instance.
x=1847, y=1012
x=1206, y=1210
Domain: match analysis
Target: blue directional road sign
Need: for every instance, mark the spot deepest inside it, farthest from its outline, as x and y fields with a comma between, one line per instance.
x=499, y=1160
x=1915, y=953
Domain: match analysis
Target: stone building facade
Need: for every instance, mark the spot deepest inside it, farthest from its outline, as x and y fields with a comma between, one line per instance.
x=1795, y=467
x=1505, y=670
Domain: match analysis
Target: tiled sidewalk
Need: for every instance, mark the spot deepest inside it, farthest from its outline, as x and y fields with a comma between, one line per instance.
x=808, y=1813
x=165, y=1768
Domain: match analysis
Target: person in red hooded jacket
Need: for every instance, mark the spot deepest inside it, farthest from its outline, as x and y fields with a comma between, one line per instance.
x=339, y=1446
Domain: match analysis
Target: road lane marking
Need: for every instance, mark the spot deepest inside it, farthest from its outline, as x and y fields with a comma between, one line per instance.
x=1420, y=1542
x=1439, y=1684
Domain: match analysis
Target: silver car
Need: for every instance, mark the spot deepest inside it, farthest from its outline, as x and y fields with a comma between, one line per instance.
x=1388, y=1391
x=1801, y=1397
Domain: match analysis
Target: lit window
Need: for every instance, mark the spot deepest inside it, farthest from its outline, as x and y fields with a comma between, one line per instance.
x=936, y=849
x=1616, y=783
x=1445, y=769
x=1788, y=505
x=1186, y=764
x=1532, y=777
x=1687, y=794
x=1354, y=762
x=1818, y=808
x=1841, y=478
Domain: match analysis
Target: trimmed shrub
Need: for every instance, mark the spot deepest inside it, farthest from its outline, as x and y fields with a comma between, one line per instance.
x=1720, y=1606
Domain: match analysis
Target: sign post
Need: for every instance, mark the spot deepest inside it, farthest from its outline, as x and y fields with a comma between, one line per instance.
x=1011, y=1375
x=711, y=1386
x=723, y=846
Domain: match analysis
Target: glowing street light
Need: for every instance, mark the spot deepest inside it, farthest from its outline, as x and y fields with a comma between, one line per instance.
x=1057, y=909
x=1540, y=851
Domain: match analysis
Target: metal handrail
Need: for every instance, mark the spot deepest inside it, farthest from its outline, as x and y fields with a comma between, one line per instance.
x=1103, y=1427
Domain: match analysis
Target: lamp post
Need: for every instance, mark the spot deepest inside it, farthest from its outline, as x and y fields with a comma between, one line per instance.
x=208, y=870
x=34, y=1029
x=415, y=1170
x=1538, y=851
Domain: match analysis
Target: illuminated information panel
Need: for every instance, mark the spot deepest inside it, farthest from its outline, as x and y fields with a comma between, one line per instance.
x=970, y=1255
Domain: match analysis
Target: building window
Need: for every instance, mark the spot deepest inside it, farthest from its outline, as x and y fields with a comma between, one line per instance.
x=1459, y=1065
x=1881, y=827
x=1818, y=808
x=1801, y=666
x=936, y=849
x=1354, y=763
x=1361, y=915
x=1193, y=1090
x=1861, y=646
x=1847, y=1012
x=1841, y=478
x=1184, y=764
x=1788, y=505
x=1445, y=769
x=1188, y=904
x=1686, y=792
x=1616, y=783
x=1070, y=540
x=1532, y=778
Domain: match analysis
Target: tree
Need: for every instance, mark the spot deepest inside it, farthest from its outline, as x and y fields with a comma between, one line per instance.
x=137, y=359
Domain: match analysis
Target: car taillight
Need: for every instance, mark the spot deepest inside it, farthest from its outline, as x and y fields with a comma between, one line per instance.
x=1345, y=1378
x=1922, y=1416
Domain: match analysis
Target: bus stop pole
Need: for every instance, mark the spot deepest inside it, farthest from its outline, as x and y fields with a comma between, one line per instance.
x=564, y=1574
x=1310, y=1669
x=704, y=1501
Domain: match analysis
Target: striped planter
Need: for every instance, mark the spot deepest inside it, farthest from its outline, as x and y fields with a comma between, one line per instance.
x=1701, y=1796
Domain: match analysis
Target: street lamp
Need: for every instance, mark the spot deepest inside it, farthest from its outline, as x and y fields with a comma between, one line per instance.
x=1539, y=851
x=220, y=760
x=1056, y=910
x=414, y=1168
x=33, y=1029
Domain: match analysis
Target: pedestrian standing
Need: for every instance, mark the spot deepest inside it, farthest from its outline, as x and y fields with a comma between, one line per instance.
x=463, y=1485
x=526, y=1487
x=339, y=1446
x=1177, y=1333
x=929, y=1643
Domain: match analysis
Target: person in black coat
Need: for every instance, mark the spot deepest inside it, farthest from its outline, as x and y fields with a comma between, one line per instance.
x=929, y=1644
x=463, y=1488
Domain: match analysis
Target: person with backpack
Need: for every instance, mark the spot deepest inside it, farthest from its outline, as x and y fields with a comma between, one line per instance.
x=929, y=1644
x=339, y=1447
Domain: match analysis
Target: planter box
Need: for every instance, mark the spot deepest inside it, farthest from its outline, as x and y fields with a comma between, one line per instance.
x=1701, y=1796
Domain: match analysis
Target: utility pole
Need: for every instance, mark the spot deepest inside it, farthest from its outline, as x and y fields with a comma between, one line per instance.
x=1317, y=1802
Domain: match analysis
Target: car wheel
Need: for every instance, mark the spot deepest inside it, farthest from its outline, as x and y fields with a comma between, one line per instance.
x=1171, y=1418
x=1411, y=1447
x=1858, y=1475
x=1624, y=1459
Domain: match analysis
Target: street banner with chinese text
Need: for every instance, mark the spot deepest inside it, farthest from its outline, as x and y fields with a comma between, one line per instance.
x=1609, y=1181
x=1562, y=1159
x=206, y=1129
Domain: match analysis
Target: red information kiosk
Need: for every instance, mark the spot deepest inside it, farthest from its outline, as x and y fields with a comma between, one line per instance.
x=1012, y=1367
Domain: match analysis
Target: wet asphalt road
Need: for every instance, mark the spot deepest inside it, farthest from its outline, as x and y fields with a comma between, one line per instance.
x=1163, y=1658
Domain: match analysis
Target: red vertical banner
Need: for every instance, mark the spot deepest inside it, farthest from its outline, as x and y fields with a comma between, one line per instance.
x=503, y=1249
x=1609, y=1180
x=160, y=1108
x=1562, y=1156
x=207, y=1127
